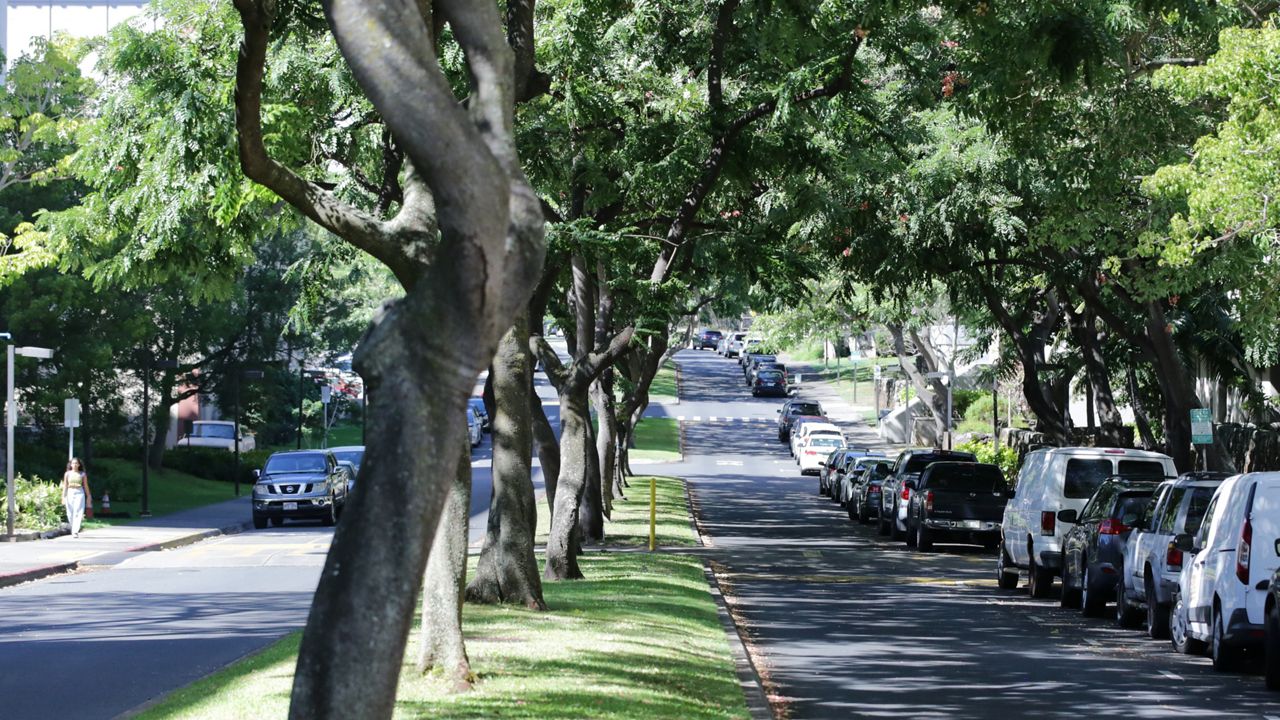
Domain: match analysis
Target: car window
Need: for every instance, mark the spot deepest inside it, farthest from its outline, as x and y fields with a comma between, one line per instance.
x=221, y=432
x=353, y=456
x=306, y=462
x=1206, y=524
x=980, y=479
x=917, y=463
x=1099, y=504
x=1197, y=506
x=1170, y=512
x=1131, y=506
x=805, y=409
x=1149, y=514
x=1141, y=467
x=769, y=375
x=1084, y=476
x=825, y=441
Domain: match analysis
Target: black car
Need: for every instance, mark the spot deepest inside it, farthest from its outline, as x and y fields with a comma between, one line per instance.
x=793, y=409
x=1093, y=549
x=957, y=502
x=300, y=484
x=769, y=382
x=895, y=492
x=864, y=501
x=753, y=361
x=707, y=340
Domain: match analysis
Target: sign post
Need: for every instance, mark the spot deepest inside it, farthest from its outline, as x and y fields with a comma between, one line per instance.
x=71, y=421
x=326, y=394
x=1201, y=431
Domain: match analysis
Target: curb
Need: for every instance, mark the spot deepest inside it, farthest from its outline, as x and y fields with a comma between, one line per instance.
x=743, y=666
x=39, y=573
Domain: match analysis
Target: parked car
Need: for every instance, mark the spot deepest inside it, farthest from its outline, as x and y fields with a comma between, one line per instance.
x=760, y=362
x=353, y=455
x=1222, y=590
x=477, y=404
x=217, y=434
x=707, y=339
x=1151, y=564
x=1051, y=480
x=1093, y=549
x=864, y=496
x=858, y=463
x=749, y=346
x=475, y=433
x=895, y=494
x=793, y=409
x=814, y=449
x=830, y=466
x=769, y=382
x=299, y=484
x=803, y=429
x=956, y=502
x=733, y=348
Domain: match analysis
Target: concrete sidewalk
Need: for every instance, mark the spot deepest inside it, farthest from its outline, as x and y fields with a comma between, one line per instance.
x=22, y=562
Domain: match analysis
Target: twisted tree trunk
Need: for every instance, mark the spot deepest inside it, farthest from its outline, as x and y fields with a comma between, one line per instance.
x=575, y=454
x=606, y=438
x=507, y=571
x=548, y=447
x=441, y=646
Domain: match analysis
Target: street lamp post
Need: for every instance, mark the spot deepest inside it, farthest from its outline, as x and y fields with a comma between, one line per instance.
x=245, y=375
x=11, y=420
x=148, y=364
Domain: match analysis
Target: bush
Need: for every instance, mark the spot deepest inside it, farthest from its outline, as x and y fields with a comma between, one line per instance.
x=962, y=400
x=1006, y=459
x=124, y=485
x=215, y=464
x=115, y=449
x=979, y=409
x=39, y=503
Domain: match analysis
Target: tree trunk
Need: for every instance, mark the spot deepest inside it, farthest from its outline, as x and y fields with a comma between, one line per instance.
x=1140, y=414
x=548, y=447
x=441, y=647
x=160, y=420
x=1084, y=328
x=507, y=571
x=591, y=510
x=606, y=437
x=575, y=455
x=1175, y=386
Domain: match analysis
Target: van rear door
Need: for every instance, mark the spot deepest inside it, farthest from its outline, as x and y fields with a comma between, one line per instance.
x=1264, y=528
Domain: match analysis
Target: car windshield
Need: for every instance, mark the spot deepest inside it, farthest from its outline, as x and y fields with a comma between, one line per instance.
x=1196, y=507
x=213, y=430
x=825, y=441
x=352, y=456
x=478, y=404
x=806, y=409
x=917, y=463
x=1131, y=505
x=967, y=479
x=296, y=463
x=769, y=375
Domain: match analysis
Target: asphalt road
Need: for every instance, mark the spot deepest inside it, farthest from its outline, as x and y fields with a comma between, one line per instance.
x=852, y=625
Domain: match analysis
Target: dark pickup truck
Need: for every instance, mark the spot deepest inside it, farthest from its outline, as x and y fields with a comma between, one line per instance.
x=957, y=502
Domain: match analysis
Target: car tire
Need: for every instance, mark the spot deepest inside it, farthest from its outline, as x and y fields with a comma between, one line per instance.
x=864, y=514
x=1039, y=580
x=822, y=491
x=1225, y=657
x=331, y=519
x=1127, y=616
x=1179, y=638
x=882, y=526
x=259, y=522
x=851, y=508
x=277, y=521
x=924, y=539
x=909, y=535
x=1271, y=648
x=1069, y=597
x=1092, y=602
x=1157, y=614
x=894, y=532
x=1006, y=577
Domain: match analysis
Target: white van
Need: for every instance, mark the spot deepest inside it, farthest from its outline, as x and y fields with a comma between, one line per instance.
x=1052, y=480
x=1223, y=590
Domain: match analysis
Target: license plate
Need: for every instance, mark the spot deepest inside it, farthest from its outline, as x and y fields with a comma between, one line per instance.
x=972, y=525
x=291, y=506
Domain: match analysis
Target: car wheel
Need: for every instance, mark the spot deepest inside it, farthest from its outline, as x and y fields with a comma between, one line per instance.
x=332, y=518
x=277, y=521
x=259, y=521
x=924, y=540
x=909, y=535
x=864, y=513
x=851, y=508
x=1069, y=598
x=894, y=532
x=1091, y=601
x=1179, y=628
x=1006, y=576
x=1039, y=580
x=1225, y=657
x=1127, y=616
x=821, y=490
x=1271, y=648
x=882, y=526
x=1157, y=614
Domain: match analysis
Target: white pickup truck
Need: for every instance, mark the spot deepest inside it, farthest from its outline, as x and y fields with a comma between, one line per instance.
x=216, y=434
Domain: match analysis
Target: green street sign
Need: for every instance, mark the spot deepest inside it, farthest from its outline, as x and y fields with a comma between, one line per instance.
x=1201, y=427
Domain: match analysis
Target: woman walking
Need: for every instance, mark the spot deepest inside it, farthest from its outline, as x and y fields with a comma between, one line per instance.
x=75, y=494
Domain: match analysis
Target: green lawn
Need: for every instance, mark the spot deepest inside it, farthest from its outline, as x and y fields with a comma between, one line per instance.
x=170, y=492
x=639, y=638
x=339, y=435
x=657, y=439
x=664, y=384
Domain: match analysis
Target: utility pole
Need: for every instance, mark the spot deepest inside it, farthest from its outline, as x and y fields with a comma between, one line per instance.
x=11, y=421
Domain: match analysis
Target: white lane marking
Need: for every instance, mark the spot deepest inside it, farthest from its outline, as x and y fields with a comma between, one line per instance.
x=697, y=418
x=680, y=418
x=713, y=418
x=1171, y=676
x=734, y=463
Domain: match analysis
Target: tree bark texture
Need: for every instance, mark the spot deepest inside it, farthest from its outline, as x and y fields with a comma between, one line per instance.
x=575, y=450
x=507, y=571
x=1084, y=328
x=441, y=647
x=548, y=447
x=606, y=437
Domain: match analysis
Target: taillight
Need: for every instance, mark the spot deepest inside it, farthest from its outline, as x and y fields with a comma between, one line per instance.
x=1173, y=557
x=928, y=501
x=906, y=493
x=810, y=452
x=1048, y=522
x=873, y=487
x=1111, y=526
x=1244, y=551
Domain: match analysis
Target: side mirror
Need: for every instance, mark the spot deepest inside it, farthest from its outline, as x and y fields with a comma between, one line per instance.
x=1184, y=542
x=779, y=411
x=257, y=473
x=1069, y=516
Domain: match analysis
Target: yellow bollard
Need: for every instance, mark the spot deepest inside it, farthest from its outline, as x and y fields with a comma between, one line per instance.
x=653, y=514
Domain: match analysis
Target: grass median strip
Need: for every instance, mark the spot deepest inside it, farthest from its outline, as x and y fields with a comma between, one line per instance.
x=657, y=440
x=639, y=638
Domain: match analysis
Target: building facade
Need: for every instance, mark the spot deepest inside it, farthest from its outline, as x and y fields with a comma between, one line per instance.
x=22, y=21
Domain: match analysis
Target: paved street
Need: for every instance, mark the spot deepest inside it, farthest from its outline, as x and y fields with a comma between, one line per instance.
x=851, y=625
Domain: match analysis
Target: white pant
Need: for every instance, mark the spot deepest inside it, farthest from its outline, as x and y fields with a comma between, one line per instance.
x=75, y=509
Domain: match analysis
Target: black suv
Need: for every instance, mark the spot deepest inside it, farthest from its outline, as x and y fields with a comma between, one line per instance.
x=957, y=502
x=707, y=340
x=793, y=409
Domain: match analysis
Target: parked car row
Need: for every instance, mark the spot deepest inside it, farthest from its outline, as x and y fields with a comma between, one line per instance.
x=1194, y=558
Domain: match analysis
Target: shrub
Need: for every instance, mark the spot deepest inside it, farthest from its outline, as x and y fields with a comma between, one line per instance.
x=962, y=400
x=39, y=503
x=124, y=485
x=1006, y=459
x=979, y=409
x=215, y=464
x=115, y=449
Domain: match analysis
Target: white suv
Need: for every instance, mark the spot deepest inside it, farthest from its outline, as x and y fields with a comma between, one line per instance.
x=1052, y=480
x=1223, y=589
x=807, y=428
